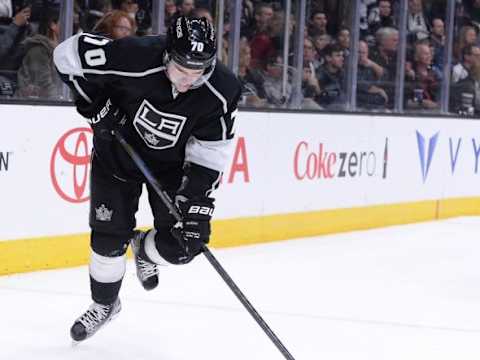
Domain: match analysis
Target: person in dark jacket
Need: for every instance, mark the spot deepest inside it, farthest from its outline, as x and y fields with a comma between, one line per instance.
x=37, y=76
x=369, y=94
x=465, y=94
x=331, y=78
x=11, y=51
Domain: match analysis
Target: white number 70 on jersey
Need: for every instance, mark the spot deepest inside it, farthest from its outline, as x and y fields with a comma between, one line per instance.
x=95, y=57
x=197, y=46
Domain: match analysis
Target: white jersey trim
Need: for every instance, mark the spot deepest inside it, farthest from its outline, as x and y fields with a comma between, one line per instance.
x=224, y=128
x=107, y=269
x=80, y=90
x=214, y=185
x=210, y=154
x=66, y=59
x=233, y=117
x=218, y=95
x=124, y=73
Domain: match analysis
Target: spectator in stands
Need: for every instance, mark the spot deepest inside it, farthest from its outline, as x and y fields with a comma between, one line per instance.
x=261, y=44
x=318, y=24
x=247, y=20
x=470, y=57
x=170, y=10
x=386, y=52
x=436, y=8
x=37, y=77
x=253, y=93
x=334, y=11
x=9, y=33
x=465, y=94
x=129, y=6
x=385, y=55
x=423, y=91
x=277, y=30
x=381, y=16
x=461, y=17
x=224, y=51
x=263, y=17
x=365, y=5
x=467, y=36
x=273, y=83
x=310, y=88
x=437, y=40
x=320, y=41
x=417, y=22
x=331, y=78
x=343, y=40
x=11, y=51
x=310, y=54
x=473, y=10
x=185, y=7
x=78, y=18
x=132, y=7
x=203, y=12
x=369, y=94
x=143, y=18
x=116, y=25
x=364, y=60
x=96, y=10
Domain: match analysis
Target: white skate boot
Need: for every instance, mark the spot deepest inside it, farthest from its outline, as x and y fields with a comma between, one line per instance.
x=147, y=272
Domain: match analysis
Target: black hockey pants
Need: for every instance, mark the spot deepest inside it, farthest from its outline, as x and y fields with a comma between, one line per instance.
x=113, y=205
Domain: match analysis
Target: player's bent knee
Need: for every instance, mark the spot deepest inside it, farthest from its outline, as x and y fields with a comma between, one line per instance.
x=161, y=247
x=106, y=269
x=110, y=244
x=151, y=250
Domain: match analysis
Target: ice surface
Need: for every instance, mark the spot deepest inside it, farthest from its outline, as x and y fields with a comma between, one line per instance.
x=406, y=292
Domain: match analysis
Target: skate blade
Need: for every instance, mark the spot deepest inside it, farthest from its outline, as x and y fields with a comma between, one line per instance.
x=75, y=343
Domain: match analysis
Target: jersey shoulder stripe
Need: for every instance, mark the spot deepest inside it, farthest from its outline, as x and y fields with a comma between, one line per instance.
x=218, y=95
x=90, y=54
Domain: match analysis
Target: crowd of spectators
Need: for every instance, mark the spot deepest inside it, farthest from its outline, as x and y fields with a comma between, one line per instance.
x=327, y=48
x=30, y=30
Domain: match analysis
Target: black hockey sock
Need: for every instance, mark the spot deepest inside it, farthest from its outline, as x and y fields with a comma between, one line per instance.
x=104, y=293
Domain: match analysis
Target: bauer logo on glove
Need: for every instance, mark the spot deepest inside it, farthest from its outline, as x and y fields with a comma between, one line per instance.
x=194, y=230
x=202, y=210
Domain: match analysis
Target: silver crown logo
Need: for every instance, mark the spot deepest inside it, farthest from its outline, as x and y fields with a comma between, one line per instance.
x=103, y=214
x=152, y=139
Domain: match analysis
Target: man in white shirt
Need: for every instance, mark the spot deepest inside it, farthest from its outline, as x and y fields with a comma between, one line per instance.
x=417, y=22
x=470, y=56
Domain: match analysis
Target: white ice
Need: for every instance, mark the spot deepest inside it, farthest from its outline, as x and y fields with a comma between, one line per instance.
x=406, y=292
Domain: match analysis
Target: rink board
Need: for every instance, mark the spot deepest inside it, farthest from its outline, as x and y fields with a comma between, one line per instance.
x=290, y=175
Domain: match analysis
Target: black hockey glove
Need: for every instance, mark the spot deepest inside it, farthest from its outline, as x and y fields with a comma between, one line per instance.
x=106, y=120
x=194, y=231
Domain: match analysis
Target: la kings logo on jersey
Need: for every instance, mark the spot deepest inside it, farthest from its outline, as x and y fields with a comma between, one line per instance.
x=158, y=129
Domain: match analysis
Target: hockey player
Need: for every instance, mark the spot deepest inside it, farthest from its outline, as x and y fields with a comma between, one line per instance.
x=176, y=106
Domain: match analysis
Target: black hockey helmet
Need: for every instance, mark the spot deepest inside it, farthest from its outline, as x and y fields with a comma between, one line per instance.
x=191, y=42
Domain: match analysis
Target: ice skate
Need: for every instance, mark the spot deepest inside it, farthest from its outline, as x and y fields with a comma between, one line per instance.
x=93, y=319
x=147, y=272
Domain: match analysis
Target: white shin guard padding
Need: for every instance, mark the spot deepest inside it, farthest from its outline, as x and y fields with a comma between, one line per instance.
x=151, y=249
x=107, y=269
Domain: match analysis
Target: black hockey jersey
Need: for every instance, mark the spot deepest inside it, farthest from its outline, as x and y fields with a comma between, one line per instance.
x=167, y=128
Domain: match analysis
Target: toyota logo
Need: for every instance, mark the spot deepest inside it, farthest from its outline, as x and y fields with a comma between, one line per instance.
x=70, y=165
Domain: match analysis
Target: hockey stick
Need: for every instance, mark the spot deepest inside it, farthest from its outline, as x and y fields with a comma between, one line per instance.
x=206, y=251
